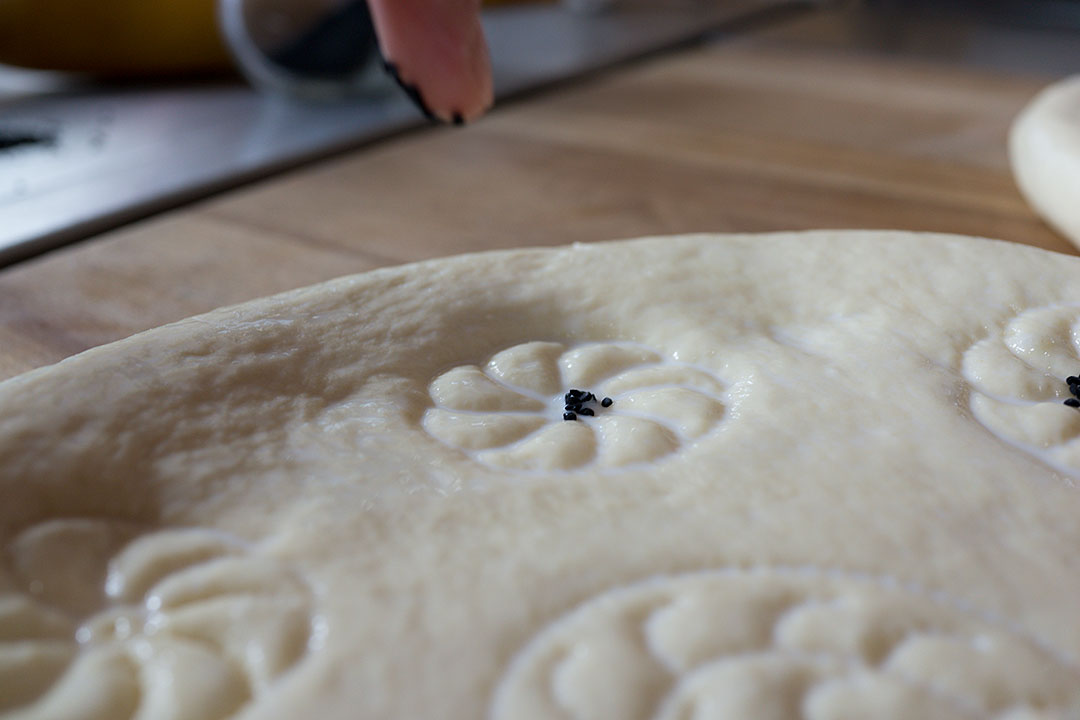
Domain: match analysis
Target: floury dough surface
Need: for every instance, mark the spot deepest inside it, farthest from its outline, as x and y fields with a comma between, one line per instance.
x=837, y=481
x=1044, y=150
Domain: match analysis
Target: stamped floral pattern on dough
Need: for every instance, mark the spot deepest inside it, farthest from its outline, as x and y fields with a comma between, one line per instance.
x=782, y=644
x=107, y=620
x=1018, y=376
x=509, y=413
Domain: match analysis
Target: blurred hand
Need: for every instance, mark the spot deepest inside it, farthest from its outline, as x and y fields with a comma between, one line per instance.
x=438, y=48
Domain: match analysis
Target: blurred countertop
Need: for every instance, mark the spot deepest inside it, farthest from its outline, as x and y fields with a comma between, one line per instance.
x=839, y=117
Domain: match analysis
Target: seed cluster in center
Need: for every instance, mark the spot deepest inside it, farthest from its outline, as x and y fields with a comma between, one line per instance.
x=577, y=403
x=1074, y=387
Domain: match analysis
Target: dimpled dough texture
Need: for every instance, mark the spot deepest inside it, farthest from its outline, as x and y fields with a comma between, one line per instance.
x=836, y=482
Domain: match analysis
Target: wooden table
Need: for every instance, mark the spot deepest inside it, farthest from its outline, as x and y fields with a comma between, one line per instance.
x=748, y=134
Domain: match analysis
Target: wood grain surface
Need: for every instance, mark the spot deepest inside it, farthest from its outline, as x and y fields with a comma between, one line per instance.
x=747, y=134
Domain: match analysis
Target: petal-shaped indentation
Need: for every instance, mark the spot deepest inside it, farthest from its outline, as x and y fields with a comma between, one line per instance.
x=627, y=440
x=27, y=669
x=666, y=402
x=531, y=366
x=101, y=684
x=863, y=625
x=598, y=678
x=699, y=626
x=559, y=446
x=1044, y=339
x=64, y=560
x=654, y=375
x=185, y=680
x=948, y=659
x=767, y=686
x=466, y=388
x=1040, y=424
x=480, y=431
x=690, y=411
x=1066, y=454
x=866, y=695
x=222, y=576
x=1019, y=383
x=989, y=366
x=117, y=623
x=23, y=619
x=150, y=558
x=213, y=628
x=587, y=365
x=992, y=672
x=265, y=635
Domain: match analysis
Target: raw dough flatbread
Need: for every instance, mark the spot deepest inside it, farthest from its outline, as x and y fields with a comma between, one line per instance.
x=1044, y=149
x=837, y=480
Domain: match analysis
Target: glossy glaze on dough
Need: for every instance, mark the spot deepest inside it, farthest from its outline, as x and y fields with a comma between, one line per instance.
x=836, y=481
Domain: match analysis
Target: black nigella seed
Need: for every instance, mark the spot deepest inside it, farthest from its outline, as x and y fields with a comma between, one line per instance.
x=1073, y=402
x=586, y=411
x=569, y=416
x=588, y=397
x=574, y=393
x=1075, y=390
x=606, y=402
x=573, y=407
x=1072, y=380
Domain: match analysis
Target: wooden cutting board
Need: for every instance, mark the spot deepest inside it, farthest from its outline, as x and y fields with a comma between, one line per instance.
x=749, y=135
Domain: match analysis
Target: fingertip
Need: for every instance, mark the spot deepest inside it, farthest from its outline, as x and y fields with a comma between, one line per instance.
x=439, y=54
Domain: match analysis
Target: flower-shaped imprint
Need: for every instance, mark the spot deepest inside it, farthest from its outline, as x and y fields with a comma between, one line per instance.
x=107, y=621
x=782, y=644
x=509, y=413
x=1018, y=380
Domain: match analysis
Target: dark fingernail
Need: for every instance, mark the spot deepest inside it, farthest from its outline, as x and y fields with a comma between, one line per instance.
x=411, y=90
